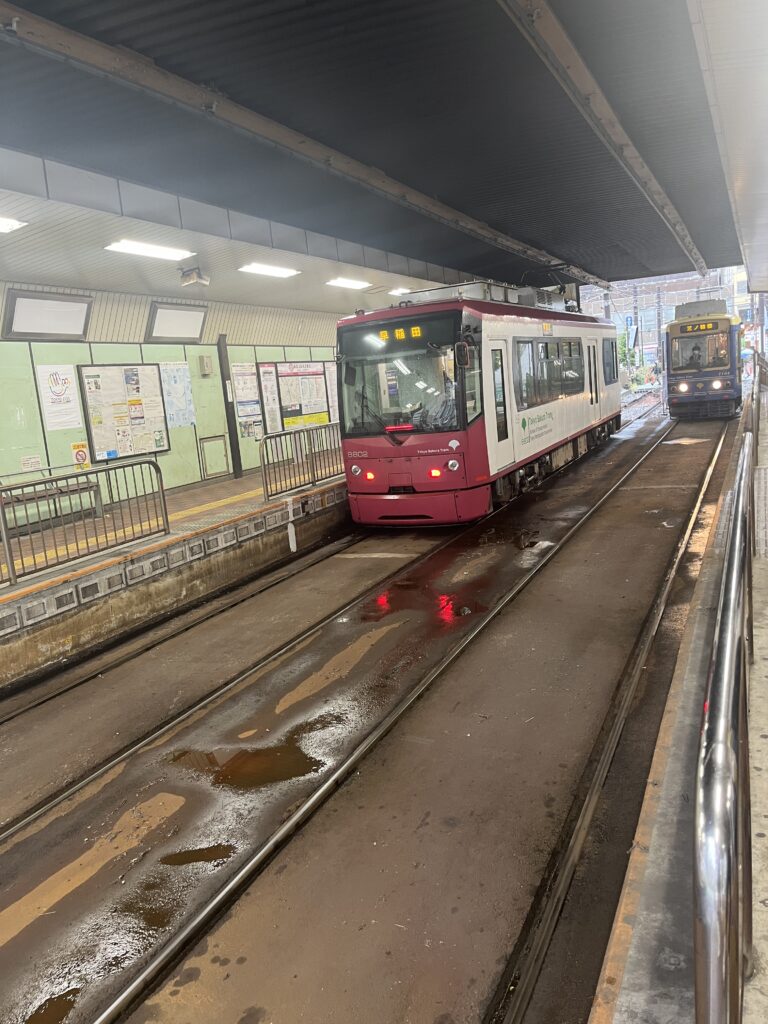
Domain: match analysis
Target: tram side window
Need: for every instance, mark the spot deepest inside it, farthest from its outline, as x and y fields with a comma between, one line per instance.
x=525, y=392
x=549, y=372
x=473, y=385
x=610, y=361
x=502, y=430
x=573, y=367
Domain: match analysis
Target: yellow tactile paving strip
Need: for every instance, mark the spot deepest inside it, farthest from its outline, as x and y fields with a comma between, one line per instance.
x=162, y=542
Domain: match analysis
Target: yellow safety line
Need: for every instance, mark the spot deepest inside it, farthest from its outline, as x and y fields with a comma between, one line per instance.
x=39, y=558
x=187, y=513
x=52, y=555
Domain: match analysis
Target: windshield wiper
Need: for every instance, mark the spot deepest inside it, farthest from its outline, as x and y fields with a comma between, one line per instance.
x=365, y=407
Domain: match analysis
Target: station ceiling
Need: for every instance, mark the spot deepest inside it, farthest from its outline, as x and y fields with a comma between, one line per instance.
x=451, y=131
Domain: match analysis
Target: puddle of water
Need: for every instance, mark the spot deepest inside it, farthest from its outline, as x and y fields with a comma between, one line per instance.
x=206, y=855
x=54, y=1010
x=251, y=768
x=149, y=906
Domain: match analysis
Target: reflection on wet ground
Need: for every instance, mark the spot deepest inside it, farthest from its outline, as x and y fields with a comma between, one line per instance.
x=260, y=752
x=215, y=854
x=54, y=1010
x=249, y=769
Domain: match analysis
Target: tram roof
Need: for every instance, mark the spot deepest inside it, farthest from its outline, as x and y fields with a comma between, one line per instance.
x=455, y=132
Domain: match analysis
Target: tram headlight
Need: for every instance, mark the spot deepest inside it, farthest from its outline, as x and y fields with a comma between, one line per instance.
x=355, y=470
x=682, y=387
x=453, y=465
x=716, y=385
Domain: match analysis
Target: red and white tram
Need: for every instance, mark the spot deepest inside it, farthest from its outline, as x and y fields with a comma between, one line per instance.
x=451, y=405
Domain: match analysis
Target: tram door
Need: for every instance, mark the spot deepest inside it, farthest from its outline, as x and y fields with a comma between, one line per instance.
x=498, y=397
x=592, y=377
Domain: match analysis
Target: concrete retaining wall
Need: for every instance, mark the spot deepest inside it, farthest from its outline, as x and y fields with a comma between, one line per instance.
x=57, y=621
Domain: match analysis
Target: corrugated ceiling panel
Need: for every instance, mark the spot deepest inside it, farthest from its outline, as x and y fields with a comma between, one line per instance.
x=442, y=94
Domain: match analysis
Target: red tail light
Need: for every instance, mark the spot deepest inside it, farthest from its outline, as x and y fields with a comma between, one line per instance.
x=435, y=472
x=370, y=476
x=399, y=426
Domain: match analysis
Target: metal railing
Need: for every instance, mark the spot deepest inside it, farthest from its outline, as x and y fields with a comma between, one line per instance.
x=49, y=520
x=298, y=458
x=723, y=854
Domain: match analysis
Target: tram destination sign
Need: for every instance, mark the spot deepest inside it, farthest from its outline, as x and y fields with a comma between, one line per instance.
x=701, y=327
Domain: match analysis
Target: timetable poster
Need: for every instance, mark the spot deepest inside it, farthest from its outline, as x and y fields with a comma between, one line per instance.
x=245, y=383
x=125, y=411
x=303, y=397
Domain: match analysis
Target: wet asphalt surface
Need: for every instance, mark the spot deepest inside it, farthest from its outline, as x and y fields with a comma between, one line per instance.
x=404, y=897
x=89, y=891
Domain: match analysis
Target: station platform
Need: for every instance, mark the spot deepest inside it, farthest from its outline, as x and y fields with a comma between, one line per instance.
x=222, y=532
x=648, y=973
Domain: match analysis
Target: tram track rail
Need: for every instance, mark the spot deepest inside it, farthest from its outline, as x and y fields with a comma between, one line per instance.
x=197, y=925
x=254, y=588
x=519, y=979
x=14, y=827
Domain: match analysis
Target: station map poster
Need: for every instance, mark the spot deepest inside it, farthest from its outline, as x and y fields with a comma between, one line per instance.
x=245, y=382
x=125, y=412
x=303, y=397
x=177, y=392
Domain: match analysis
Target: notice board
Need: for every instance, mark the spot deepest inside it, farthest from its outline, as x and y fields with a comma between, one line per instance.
x=303, y=396
x=124, y=410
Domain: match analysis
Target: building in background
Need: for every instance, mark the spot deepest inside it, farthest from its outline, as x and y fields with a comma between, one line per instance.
x=641, y=308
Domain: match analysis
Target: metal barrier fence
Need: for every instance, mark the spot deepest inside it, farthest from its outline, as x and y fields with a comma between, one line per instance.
x=298, y=458
x=50, y=520
x=722, y=847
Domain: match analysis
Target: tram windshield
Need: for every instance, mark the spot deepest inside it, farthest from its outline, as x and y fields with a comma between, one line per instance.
x=699, y=352
x=399, y=377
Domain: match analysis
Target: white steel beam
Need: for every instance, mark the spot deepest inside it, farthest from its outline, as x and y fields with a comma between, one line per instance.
x=541, y=28
x=35, y=33
x=732, y=42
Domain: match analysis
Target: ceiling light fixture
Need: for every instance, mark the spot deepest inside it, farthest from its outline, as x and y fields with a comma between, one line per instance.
x=158, y=252
x=268, y=270
x=400, y=291
x=8, y=224
x=347, y=282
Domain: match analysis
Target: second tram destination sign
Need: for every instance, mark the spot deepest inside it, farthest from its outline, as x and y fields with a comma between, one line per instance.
x=125, y=411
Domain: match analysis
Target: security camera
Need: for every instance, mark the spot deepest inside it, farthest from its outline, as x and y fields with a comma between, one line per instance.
x=193, y=276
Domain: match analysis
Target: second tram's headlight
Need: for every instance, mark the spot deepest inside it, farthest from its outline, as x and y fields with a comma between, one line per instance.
x=682, y=387
x=453, y=465
x=716, y=385
x=355, y=470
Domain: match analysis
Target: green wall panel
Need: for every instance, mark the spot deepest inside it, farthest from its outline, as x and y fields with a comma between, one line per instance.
x=270, y=354
x=116, y=353
x=21, y=432
x=209, y=408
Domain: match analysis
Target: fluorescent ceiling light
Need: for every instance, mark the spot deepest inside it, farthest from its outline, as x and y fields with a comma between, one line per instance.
x=402, y=367
x=400, y=291
x=8, y=224
x=159, y=252
x=346, y=282
x=269, y=271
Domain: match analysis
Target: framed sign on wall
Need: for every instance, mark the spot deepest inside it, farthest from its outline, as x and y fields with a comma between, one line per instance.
x=124, y=410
